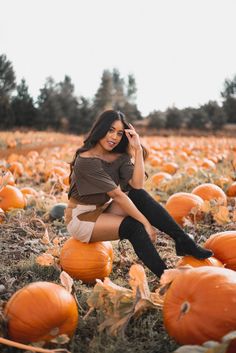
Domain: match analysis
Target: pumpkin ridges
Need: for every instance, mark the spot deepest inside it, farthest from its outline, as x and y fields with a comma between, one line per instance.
x=36, y=309
x=191, y=328
x=208, y=191
x=180, y=204
x=192, y=261
x=223, y=244
x=11, y=197
x=86, y=261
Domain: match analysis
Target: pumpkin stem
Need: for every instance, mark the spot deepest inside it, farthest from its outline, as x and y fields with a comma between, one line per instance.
x=185, y=307
x=30, y=348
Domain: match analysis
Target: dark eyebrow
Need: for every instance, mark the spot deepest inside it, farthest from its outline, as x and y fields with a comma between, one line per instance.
x=112, y=127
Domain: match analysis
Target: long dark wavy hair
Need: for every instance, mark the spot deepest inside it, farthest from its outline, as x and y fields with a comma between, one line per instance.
x=99, y=129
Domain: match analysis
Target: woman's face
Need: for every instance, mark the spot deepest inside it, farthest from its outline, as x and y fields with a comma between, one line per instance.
x=113, y=136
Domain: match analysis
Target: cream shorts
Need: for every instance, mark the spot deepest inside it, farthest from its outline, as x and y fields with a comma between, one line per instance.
x=81, y=220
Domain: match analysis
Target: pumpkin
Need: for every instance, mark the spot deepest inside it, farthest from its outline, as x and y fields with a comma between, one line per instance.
x=41, y=311
x=57, y=211
x=208, y=191
x=28, y=191
x=16, y=168
x=159, y=177
x=200, y=305
x=170, y=167
x=223, y=245
x=208, y=164
x=87, y=261
x=192, y=261
x=56, y=170
x=180, y=204
x=231, y=191
x=11, y=197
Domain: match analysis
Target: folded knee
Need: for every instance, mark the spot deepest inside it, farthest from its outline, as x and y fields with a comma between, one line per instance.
x=130, y=228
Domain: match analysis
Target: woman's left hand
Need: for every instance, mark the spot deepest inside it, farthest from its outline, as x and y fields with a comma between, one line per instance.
x=133, y=137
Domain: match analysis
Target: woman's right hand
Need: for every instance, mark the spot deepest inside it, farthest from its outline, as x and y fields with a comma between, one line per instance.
x=152, y=232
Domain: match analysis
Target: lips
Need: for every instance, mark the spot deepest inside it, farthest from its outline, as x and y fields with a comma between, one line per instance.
x=111, y=143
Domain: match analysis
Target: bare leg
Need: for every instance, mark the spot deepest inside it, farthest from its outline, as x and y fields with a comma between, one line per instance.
x=113, y=227
x=106, y=227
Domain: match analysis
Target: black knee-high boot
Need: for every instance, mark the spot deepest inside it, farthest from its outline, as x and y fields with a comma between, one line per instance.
x=161, y=219
x=135, y=232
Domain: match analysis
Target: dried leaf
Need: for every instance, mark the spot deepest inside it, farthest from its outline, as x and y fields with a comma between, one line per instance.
x=54, y=251
x=222, y=216
x=206, y=207
x=66, y=281
x=45, y=260
x=45, y=239
x=138, y=280
x=169, y=275
x=61, y=339
x=119, y=304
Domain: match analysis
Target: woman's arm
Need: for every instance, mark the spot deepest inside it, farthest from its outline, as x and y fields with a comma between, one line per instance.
x=138, y=177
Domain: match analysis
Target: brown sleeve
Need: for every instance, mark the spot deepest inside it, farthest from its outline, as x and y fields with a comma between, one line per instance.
x=91, y=177
x=126, y=172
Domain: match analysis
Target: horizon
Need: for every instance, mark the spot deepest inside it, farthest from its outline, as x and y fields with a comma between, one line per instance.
x=179, y=53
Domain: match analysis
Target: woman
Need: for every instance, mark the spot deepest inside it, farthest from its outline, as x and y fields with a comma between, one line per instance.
x=106, y=196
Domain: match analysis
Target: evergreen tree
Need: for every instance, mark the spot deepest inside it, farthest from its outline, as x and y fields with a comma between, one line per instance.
x=174, y=118
x=49, y=110
x=229, y=104
x=198, y=119
x=23, y=107
x=216, y=115
x=157, y=120
x=7, y=85
x=103, y=97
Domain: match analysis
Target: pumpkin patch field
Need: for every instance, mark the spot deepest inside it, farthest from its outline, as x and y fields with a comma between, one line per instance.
x=60, y=295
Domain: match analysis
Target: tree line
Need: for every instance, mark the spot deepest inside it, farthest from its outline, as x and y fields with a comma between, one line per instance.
x=58, y=108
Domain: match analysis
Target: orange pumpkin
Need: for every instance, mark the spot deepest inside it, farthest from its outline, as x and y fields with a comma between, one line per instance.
x=197, y=299
x=223, y=245
x=16, y=168
x=27, y=191
x=6, y=177
x=208, y=164
x=40, y=312
x=208, y=191
x=192, y=261
x=170, y=167
x=59, y=171
x=180, y=204
x=159, y=177
x=11, y=197
x=231, y=191
x=87, y=261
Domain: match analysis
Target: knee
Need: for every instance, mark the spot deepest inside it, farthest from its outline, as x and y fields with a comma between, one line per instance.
x=130, y=228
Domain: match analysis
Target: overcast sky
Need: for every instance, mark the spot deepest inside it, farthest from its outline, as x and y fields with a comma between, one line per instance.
x=180, y=51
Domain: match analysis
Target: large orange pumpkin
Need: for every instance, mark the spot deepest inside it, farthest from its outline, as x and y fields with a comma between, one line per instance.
x=11, y=197
x=180, y=204
x=208, y=191
x=200, y=305
x=40, y=312
x=87, y=261
x=192, y=261
x=223, y=245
